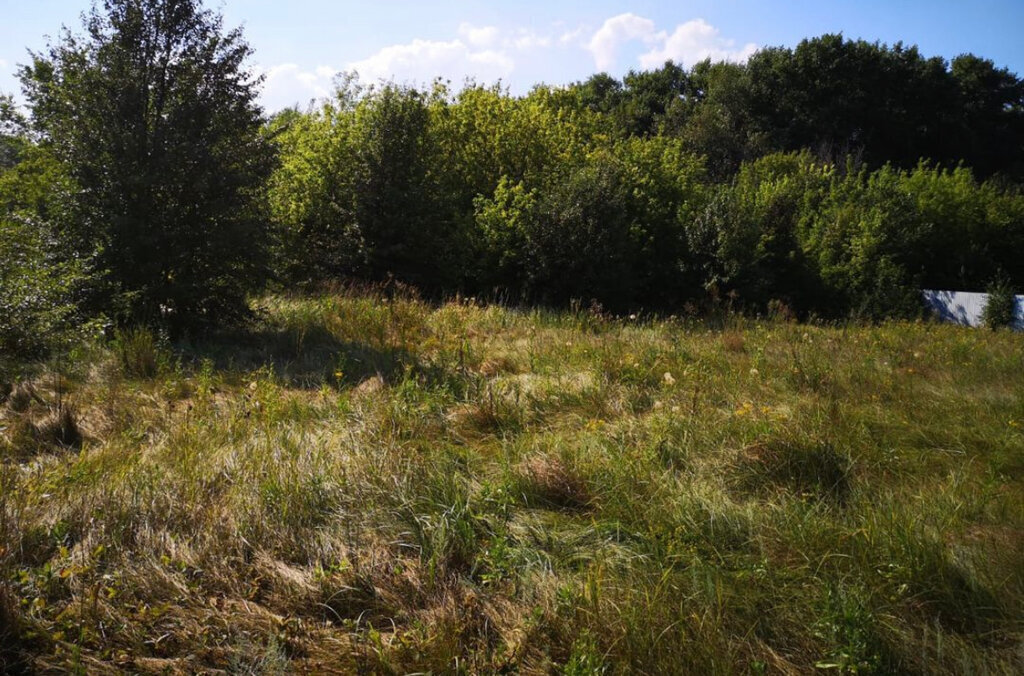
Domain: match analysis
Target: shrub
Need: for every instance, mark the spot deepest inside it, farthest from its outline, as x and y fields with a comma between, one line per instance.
x=39, y=282
x=1001, y=308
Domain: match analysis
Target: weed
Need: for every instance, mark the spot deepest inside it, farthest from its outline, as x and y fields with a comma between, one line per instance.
x=1001, y=309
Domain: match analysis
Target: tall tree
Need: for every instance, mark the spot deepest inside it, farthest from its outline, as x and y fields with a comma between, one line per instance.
x=153, y=114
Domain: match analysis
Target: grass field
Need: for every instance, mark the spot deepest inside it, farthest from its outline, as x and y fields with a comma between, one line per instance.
x=386, y=486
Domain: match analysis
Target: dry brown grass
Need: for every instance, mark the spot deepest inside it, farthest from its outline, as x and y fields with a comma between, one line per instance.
x=733, y=341
x=550, y=481
x=60, y=429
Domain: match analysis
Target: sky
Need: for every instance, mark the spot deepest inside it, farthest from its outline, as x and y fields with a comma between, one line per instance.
x=302, y=45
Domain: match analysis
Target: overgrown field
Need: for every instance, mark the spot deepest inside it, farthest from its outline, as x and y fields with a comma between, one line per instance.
x=385, y=486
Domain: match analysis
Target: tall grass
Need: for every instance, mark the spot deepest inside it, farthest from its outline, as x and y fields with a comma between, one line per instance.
x=370, y=483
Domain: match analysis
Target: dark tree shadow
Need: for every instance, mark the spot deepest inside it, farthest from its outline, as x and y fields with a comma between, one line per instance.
x=305, y=358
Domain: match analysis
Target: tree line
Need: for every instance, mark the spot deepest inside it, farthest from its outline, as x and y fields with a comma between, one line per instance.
x=144, y=184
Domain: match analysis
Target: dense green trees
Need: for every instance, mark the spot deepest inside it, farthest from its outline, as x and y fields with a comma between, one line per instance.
x=549, y=198
x=836, y=178
x=152, y=114
x=833, y=96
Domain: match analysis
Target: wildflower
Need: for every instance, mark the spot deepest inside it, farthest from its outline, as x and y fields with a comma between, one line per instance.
x=1014, y=423
x=745, y=409
x=675, y=409
x=669, y=380
x=754, y=372
x=632, y=318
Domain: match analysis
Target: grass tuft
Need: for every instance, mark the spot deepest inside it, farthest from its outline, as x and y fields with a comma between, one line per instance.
x=546, y=480
x=139, y=353
x=21, y=397
x=60, y=429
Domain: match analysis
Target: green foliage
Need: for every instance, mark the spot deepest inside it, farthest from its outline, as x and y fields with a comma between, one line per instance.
x=1001, y=309
x=806, y=178
x=152, y=114
x=311, y=195
x=40, y=283
x=717, y=121
x=749, y=235
x=12, y=138
x=865, y=237
x=610, y=229
x=851, y=241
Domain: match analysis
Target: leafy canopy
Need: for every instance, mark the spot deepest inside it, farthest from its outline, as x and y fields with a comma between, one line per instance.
x=153, y=114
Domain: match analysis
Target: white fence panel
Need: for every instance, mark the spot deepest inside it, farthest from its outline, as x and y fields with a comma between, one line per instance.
x=965, y=308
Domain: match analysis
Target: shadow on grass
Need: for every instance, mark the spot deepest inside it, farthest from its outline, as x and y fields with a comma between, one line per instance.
x=308, y=357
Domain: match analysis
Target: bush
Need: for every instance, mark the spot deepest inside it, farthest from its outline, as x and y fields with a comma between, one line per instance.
x=36, y=291
x=1001, y=309
x=40, y=283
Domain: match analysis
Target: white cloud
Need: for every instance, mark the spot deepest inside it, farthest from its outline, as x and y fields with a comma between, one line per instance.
x=483, y=53
x=527, y=40
x=690, y=42
x=573, y=37
x=604, y=45
x=3, y=64
x=289, y=84
x=421, y=61
x=695, y=41
x=490, y=53
x=478, y=36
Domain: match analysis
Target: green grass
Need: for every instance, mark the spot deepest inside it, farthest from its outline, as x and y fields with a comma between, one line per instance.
x=364, y=484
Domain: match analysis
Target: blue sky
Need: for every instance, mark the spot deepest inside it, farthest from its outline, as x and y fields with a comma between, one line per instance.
x=302, y=44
